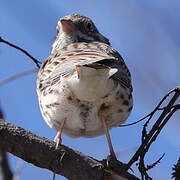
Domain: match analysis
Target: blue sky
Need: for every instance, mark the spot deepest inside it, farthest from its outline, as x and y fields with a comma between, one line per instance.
x=146, y=33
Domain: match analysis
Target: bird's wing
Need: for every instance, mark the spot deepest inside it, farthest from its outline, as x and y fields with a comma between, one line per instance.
x=64, y=62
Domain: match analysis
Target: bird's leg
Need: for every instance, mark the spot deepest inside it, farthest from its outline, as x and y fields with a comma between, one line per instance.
x=112, y=153
x=58, y=139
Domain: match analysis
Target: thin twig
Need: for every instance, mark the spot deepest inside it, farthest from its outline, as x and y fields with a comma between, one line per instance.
x=151, y=113
x=17, y=75
x=158, y=130
x=136, y=122
x=19, y=167
x=155, y=163
x=176, y=170
x=144, y=146
x=22, y=50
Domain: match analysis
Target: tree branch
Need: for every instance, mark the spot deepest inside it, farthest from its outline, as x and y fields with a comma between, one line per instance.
x=74, y=165
x=149, y=138
x=42, y=153
x=176, y=171
x=17, y=75
x=22, y=50
x=5, y=171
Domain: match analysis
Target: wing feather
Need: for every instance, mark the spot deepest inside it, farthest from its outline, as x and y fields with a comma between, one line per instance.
x=63, y=63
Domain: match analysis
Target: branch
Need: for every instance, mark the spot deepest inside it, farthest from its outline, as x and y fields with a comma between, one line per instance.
x=149, y=138
x=176, y=171
x=150, y=115
x=22, y=50
x=17, y=75
x=75, y=165
x=42, y=153
x=5, y=171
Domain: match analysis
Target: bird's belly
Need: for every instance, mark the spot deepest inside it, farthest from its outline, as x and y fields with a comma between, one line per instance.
x=82, y=117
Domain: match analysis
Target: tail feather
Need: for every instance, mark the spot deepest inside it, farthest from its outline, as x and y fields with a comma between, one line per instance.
x=95, y=69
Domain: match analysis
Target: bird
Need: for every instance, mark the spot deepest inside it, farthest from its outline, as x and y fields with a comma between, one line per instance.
x=84, y=87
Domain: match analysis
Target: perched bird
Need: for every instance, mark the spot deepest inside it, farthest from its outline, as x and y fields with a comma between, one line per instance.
x=84, y=87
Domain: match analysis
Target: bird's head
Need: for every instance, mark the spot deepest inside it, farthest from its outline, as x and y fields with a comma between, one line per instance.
x=76, y=28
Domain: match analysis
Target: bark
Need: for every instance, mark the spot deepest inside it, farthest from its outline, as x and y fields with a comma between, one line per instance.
x=5, y=171
x=42, y=153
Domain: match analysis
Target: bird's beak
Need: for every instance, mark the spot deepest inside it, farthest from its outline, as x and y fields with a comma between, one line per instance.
x=67, y=26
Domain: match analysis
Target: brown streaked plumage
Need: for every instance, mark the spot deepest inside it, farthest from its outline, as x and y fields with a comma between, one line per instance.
x=84, y=84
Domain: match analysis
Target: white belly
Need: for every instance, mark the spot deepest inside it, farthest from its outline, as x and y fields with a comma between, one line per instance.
x=80, y=112
x=90, y=89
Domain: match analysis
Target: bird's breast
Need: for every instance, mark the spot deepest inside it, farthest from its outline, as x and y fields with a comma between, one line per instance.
x=82, y=117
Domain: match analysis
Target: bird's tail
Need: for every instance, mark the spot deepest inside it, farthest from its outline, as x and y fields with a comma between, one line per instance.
x=95, y=69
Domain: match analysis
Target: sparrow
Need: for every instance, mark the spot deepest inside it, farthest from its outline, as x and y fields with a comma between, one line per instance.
x=84, y=87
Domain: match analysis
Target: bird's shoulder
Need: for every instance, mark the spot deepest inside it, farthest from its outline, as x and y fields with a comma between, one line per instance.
x=79, y=53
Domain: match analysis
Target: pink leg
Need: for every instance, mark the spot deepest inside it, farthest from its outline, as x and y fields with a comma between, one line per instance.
x=112, y=153
x=58, y=139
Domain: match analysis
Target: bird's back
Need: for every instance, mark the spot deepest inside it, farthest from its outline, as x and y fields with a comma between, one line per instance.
x=65, y=60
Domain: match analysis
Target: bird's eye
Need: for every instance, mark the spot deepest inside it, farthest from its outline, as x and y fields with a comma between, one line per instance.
x=89, y=26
